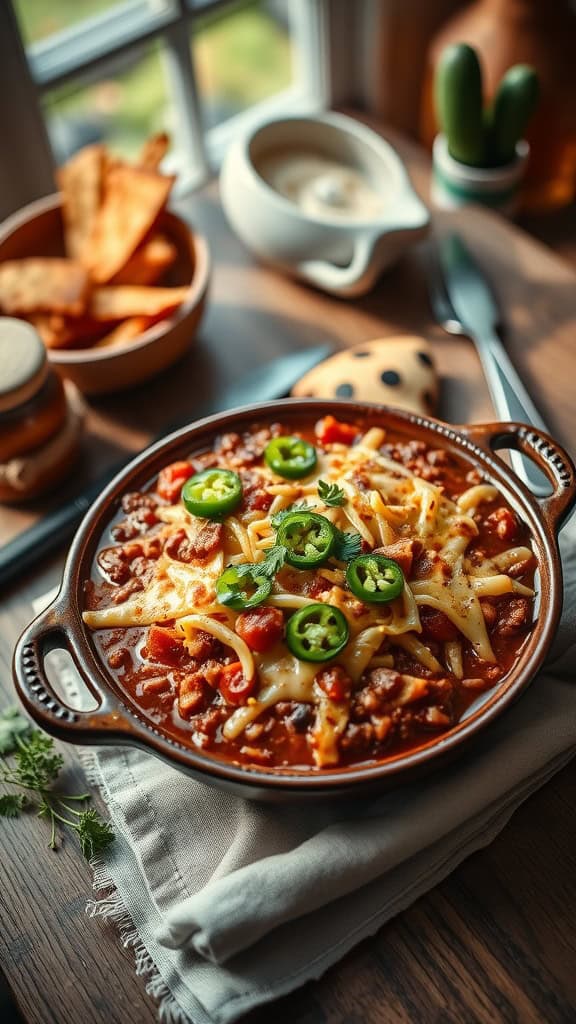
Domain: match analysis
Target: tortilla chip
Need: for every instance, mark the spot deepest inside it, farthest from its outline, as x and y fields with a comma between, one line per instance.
x=117, y=302
x=125, y=332
x=59, y=331
x=133, y=198
x=80, y=181
x=43, y=285
x=148, y=263
x=153, y=151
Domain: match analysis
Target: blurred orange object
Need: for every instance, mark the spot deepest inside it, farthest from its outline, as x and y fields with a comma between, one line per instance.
x=537, y=32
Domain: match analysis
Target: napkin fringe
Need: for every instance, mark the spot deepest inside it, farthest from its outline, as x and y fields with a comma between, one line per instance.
x=111, y=906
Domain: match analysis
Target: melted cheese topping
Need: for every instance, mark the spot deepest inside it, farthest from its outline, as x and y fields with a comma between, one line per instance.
x=176, y=589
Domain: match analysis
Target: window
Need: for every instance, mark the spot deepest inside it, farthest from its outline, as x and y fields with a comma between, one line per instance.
x=118, y=70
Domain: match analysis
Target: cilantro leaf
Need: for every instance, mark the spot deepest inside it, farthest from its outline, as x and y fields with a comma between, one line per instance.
x=37, y=763
x=12, y=724
x=94, y=834
x=347, y=546
x=32, y=764
x=331, y=494
x=271, y=564
x=274, y=560
x=11, y=804
x=298, y=506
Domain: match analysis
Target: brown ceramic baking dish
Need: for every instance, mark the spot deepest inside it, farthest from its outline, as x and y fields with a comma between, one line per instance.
x=116, y=721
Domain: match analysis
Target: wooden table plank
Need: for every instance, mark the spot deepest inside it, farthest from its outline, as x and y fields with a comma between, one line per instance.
x=496, y=941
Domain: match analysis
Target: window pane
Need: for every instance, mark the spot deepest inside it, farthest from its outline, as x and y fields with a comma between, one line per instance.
x=241, y=57
x=121, y=109
x=40, y=19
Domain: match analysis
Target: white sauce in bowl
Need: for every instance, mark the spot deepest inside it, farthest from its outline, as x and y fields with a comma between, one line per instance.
x=321, y=187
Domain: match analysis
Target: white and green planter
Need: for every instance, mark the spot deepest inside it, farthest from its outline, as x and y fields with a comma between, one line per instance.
x=455, y=184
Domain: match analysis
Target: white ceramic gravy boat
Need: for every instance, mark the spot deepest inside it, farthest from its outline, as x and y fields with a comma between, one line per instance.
x=344, y=256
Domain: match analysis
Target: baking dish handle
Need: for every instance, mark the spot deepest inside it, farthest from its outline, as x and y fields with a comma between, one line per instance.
x=548, y=455
x=48, y=632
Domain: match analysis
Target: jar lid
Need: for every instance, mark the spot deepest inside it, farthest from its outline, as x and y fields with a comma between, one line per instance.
x=23, y=363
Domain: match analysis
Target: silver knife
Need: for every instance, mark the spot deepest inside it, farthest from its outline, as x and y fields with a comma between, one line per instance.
x=475, y=307
x=267, y=382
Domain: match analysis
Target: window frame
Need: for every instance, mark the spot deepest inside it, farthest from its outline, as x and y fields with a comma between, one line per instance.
x=322, y=30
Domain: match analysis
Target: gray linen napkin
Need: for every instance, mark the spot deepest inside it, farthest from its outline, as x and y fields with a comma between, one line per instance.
x=230, y=904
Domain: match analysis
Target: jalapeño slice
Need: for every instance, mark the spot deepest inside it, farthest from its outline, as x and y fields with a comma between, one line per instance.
x=240, y=590
x=375, y=578
x=308, y=538
x=212, y=493
x=290, y=457
x=317, y=632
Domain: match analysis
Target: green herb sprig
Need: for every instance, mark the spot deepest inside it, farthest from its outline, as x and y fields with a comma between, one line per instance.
x=30, y=764
x=271, y=564
x=347, y=546
x=331, y=494
x=297, y=506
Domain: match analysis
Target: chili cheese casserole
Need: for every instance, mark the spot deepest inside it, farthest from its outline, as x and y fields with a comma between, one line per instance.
x=313, y=599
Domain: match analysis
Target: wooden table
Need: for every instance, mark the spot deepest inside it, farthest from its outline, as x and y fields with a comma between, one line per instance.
x=496, y=941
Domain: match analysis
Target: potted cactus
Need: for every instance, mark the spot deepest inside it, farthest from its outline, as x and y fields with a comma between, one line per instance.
x=481, y=153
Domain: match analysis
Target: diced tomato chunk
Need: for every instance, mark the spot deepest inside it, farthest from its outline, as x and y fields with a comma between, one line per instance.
x=233, y=685
x=260, y=628
x=171, y=480
x=163, y=645
x=335, y=682
x=333, y=431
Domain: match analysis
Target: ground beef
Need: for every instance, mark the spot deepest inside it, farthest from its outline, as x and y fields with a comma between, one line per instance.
x=140, y=512
x=133, y=586
x=434, y=718
x=299, y=718
x=201, y=646
x=135, y=501
x=194, y=694
x=114, y=565
x=207, y=722
x=119, y=564
x=428, y=464
x=439, y=457
x=160, y=688
x=403, y=552
x=380, y=685
x=503, y=523
x=255, y=498
x=474, y=477
x=201, y=542
x=489, y=612
x=358, y=738
x=245, y=449
x=423, y=563
x=513, y=616
x=436, y=625
x=120, y=659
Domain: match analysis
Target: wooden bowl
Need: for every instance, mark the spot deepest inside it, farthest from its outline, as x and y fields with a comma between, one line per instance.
x=118, y=721
x=37, y=230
